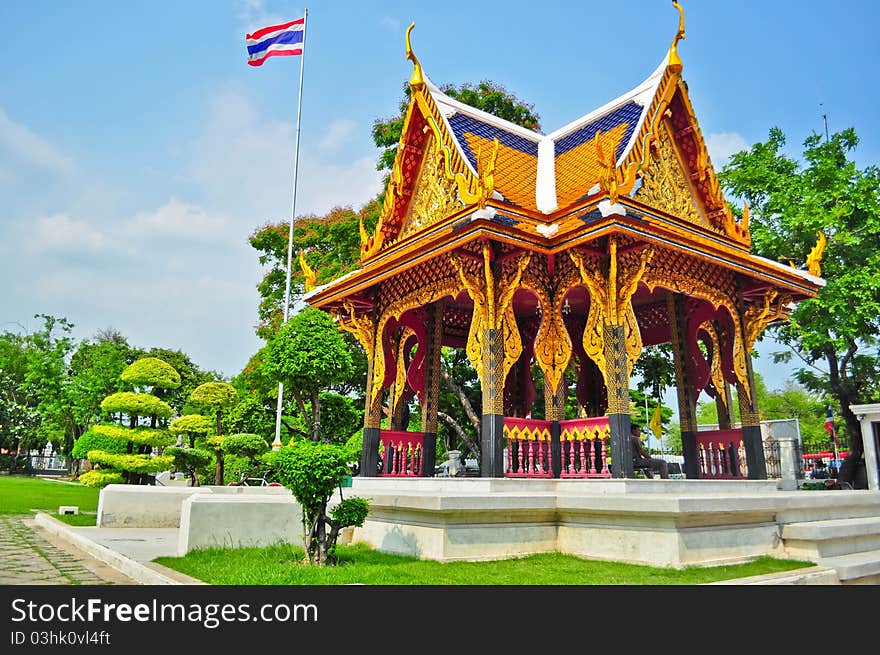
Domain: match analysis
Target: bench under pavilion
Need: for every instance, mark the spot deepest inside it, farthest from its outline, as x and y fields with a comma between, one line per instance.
x=577, y=248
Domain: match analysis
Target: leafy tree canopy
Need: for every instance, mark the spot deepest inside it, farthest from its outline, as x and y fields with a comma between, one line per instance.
x=214, y=396
x=191, y=424
x=834, y=336
x=151, y=372
x=136, y=404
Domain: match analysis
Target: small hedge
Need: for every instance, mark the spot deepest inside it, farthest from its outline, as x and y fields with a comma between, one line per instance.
x=134, y=463
x=99, y=479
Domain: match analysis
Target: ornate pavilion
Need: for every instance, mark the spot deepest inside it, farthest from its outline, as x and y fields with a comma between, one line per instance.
x=576, y=248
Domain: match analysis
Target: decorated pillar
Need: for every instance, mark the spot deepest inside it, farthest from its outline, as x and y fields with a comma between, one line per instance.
x=753, y=319
x=431, y=393
x=554, y=411
x=364, y=329
x=611, y=336
x=617, y=385
x=494, y=344
x=687, y=392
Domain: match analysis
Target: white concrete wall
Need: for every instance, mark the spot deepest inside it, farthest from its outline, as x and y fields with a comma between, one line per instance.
x=239, y=521
x=142, y=506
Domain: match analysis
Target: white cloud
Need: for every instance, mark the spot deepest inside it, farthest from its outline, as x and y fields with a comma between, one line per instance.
x=60, y=232
x=338, y=133
x=722, y=145
x=178, y=220
x=390, y=23
x=254, y=16
x=242, y=161
x=22, y=148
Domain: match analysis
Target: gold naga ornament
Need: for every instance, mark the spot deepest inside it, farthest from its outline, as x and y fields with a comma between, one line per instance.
x=311, y=278
x=814, y=259
x=493, y=308
x=610, y=304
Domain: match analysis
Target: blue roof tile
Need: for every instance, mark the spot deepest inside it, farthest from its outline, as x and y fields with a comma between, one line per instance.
x=628, y=113
x=462, y=124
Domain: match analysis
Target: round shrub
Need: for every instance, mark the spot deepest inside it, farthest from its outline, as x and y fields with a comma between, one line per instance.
x=136, y=404
x=151, y=372
x=92, y=440
x=138, y=436
x=100, y=479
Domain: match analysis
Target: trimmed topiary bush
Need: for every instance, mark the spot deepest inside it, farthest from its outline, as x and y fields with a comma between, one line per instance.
x=136, y=462
x=101, y=478
x=313, y=472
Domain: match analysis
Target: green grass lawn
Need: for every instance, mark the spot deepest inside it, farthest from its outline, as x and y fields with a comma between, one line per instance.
x=21, y=494
x=280, y=565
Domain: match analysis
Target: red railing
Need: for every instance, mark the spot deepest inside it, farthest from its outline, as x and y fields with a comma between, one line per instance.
x=528, y=448
x=401, y=453
x=583, y=448
x=583, y=444
x=721, y=455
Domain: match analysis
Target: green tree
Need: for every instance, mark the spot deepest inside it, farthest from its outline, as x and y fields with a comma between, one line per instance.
x=215, y=398
x=189, y=460
x=313, y=472
x=19, y=419
x=308, y=354
x=48, y=382
x=833, y=336
x=191, y=426
x=247, y=446
x=149, y=375
x=252, y=415
x=95, y=372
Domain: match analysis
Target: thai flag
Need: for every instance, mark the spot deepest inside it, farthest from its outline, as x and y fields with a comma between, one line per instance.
x=276, y=40
x=829, y=425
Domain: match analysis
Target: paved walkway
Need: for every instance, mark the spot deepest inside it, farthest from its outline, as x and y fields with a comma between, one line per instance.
x=30, y=555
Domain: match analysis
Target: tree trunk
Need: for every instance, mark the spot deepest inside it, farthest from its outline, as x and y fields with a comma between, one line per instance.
x=301, y=406
x=465, y=439
x=218, y=470
x=462, y=398
x=316, y=416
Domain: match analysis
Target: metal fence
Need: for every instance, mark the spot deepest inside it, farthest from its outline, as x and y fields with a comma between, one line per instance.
x=36, y=464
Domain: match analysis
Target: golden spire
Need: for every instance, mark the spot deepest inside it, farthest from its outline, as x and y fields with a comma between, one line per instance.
x=674, y=60
x=416, y=79
x=814, y=259
x=311, y=278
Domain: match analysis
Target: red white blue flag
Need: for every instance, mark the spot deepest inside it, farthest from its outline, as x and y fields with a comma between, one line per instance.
x=276, y=41
x=829, y=425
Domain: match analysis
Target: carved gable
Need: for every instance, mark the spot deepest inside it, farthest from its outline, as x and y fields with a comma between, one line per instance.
x=665, y=183
x=434, y=196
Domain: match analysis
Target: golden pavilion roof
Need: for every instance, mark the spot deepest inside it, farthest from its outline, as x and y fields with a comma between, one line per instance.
x=636, y=166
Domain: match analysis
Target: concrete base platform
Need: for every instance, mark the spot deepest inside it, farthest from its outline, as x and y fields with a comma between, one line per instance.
x=666, y=523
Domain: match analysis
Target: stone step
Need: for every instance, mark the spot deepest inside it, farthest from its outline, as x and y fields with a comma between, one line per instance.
x=855, y=568
x=831, y=537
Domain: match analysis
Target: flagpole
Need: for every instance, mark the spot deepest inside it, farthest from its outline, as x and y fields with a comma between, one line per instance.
x=302, y=58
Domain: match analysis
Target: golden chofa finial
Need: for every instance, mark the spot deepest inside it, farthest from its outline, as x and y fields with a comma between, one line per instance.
x=674, y=60
x=311, y=278
x=814, y=259
x=416, y=79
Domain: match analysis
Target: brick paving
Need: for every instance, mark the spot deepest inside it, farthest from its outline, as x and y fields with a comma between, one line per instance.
x=31, y=556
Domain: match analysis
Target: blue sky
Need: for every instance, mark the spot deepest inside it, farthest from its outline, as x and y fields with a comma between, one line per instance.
x=138, y=151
